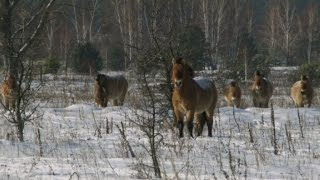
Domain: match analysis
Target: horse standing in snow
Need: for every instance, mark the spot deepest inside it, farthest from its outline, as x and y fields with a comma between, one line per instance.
x=302, y=92
x=193, y=98
x=8, y=91
x=110, y=88
x=261, y=90
x=232, y=94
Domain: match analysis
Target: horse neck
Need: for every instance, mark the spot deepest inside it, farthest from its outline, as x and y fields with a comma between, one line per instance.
x=186, y=87
x=264, y=86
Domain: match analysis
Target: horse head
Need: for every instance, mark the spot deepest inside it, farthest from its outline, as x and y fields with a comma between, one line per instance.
x=258, y=81
x=304, y=84
x=234, y=90
x=99, y=78
x=180, y=71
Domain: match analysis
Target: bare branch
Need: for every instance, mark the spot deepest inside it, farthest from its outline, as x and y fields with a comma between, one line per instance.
x=37, y=30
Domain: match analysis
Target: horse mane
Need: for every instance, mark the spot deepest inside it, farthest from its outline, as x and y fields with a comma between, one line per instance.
x=258, y=73
x=233, y=83
x=304, y=78
x=180, y=60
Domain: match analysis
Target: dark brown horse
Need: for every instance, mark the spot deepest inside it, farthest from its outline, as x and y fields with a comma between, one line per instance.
x=261, y=90
x=192, y=98
x=108, y=88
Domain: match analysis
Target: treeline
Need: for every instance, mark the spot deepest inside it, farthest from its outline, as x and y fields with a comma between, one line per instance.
x=88, y=35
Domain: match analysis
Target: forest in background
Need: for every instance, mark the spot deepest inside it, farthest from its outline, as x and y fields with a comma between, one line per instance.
x=85, y=36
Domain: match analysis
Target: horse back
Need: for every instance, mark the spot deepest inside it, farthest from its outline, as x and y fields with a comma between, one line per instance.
x=206, y=93
x=116, y=86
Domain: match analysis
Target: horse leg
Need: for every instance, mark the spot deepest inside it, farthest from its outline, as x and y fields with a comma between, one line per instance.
x=180, y=127
x=255, y=104
x=200, y=120
x=115, y=102
x=121, y=99
x=209, y=116
x=190, y=116
x=266, y=104
x=13, y=104
x=6, y=102
x=179, y=118
x=105, y=102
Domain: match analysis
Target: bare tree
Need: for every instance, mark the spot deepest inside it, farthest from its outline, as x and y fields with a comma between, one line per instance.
x=20, y=34
x=149, y=119
x=85, y=16
x=312, y=20
x=287, y=21
x=270, y=28
x=219, y=26
x=125, y=16
x=206, y=18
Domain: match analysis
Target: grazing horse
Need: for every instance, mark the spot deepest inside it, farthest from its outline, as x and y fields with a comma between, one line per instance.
x=261, y=90
x=193, y=98
x=110, y=88
x=232, y=94
x=8, y=91
x=302, y=92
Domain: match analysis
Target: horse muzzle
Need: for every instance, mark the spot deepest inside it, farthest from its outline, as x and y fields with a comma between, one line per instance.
x=177, y=83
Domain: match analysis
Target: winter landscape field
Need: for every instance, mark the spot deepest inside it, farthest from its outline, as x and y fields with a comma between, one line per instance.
x=75, y=139
x=51, y=52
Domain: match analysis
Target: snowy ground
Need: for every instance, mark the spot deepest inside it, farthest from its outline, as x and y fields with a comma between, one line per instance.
x=75, y=144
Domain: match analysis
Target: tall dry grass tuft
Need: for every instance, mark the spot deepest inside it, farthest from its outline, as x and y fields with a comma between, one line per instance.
x=274, y=138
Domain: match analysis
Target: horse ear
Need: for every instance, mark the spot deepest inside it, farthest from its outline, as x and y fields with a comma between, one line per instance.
x=178, y=60
x=233, y=83
x=258, y=73
x=304, y=78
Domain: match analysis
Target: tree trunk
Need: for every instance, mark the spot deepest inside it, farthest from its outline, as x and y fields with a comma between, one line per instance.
x=20, y=126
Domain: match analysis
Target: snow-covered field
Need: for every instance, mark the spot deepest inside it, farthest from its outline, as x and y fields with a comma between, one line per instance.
x=81, y=141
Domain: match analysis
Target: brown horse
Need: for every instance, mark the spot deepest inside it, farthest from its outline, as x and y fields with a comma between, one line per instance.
x=232, y=94
x=302, y=92
x=110, y=88
x=193, y=98
x=8, y=91
x=261, y=91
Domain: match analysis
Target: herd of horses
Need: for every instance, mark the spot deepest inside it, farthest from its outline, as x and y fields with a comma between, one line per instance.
x=192, y=97
x=195, y=98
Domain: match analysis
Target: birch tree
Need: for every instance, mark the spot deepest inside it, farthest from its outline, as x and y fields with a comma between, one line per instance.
x=219, y=8
x=287, y=22
x=85, y=18
x=269, y=32
x=312, y=21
